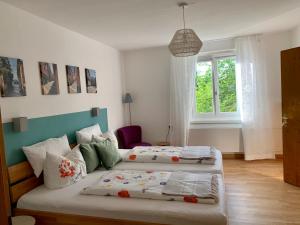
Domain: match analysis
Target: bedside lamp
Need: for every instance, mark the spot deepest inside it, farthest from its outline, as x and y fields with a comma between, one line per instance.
x=20, y=124
x=95, y=112
x=128, y=99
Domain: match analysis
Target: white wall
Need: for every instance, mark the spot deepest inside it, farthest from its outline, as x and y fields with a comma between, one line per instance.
x=218, y=45
x=147, y=79
x=34, y=39
x=225, y=138
x=295, y=37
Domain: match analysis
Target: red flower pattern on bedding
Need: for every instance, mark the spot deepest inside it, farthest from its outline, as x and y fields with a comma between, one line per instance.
x=191, y=199
x=123, y=194
x=120, y=177
x=175, y=158
x=132, y=157
x=66, y=169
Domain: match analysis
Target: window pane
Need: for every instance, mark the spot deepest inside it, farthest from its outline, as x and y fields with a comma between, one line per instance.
x=227, y=84
x=204, y=88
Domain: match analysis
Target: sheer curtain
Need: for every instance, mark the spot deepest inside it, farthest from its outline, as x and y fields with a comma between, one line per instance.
x=253, y=98
x=183, y=71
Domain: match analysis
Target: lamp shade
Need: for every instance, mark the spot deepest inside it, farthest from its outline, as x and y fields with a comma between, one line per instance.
x=185, y=42
x=127, y=98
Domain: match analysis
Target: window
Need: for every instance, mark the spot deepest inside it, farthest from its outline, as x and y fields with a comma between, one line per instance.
x=216, y=89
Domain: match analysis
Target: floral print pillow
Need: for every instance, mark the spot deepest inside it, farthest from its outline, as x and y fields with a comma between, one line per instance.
x=60, y=171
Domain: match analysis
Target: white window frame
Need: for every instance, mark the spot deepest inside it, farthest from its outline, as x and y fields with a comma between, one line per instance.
x=216, y=116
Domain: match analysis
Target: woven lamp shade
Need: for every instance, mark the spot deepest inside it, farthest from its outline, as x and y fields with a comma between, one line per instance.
x=185, y=42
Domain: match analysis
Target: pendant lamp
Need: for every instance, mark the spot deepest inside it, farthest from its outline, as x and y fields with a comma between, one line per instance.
x=185, y=42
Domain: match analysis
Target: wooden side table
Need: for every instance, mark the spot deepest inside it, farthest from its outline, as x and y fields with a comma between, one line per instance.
x=163, y=143
x=23, y=220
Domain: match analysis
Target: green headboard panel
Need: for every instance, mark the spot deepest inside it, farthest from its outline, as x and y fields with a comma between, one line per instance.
x=43, y=128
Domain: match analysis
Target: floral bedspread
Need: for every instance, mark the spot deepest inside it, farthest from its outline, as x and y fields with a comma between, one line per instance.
x=168, y=186
x=171, y=154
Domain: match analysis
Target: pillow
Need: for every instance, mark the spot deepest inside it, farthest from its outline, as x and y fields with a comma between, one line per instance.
x=36, y=154
x=76, y=156
x=90, y=157
x=60, y=171
x=98, y=138
x=107, y=153
x=108, y=135
x=85, y=135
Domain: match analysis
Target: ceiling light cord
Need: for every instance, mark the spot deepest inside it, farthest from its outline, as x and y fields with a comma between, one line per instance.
x=183, y=17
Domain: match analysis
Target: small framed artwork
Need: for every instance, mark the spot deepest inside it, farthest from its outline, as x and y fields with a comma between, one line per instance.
x=12, y=78
x=73, y=79
x=49, y=78
x=91, y=83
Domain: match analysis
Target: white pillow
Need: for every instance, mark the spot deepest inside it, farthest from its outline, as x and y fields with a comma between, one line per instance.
x=60, y=171
x=76, y=156
x=85, y=135
x=108, y=135
x=36, y=154
x=98, y=138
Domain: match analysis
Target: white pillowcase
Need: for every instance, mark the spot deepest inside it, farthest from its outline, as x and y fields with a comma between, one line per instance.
x=60, y=171
x=85, y=135
x=36, y=154
x=108, y=135
x=76, y=156
x=98, y=138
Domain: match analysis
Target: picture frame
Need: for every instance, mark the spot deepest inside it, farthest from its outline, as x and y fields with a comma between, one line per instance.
x=73, y=79
x=12, y=77
x=49, y=78
x=91, y=81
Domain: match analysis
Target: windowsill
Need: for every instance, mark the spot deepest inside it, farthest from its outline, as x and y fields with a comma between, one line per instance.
x=219, y=123
x=216, y=121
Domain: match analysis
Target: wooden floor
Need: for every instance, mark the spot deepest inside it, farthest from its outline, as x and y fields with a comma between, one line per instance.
x=257, y=195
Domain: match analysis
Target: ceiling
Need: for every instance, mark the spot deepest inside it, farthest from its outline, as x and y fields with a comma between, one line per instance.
x=132, y=24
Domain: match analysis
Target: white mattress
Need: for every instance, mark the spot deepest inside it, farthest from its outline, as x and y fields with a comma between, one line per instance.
x=68, y=200
x=199, y=168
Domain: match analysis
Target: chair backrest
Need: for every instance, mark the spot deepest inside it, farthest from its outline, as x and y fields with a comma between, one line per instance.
x=128, y=135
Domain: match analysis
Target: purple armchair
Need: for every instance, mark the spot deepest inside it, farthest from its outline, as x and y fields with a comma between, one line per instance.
x=130, y=137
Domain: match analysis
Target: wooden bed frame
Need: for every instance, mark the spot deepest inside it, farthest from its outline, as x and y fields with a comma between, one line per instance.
x=23, y=180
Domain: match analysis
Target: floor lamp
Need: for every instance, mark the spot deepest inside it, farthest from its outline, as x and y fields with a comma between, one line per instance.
x=128, y=99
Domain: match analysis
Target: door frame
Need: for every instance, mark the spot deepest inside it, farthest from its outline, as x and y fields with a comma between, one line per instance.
x=5, y=208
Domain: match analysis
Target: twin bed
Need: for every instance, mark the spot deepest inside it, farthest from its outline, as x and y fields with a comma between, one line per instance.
x=68, y=206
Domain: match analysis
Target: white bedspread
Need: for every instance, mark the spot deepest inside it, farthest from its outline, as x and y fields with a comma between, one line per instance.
x=157, y=185
x=199, y=168
x=68, y=200
x=172, y=154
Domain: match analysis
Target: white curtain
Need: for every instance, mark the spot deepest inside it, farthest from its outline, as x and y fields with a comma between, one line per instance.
x=254, y=99
x=181, y=98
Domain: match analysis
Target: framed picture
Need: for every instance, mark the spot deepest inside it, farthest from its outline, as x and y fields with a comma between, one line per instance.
x=12, y=78
x=49, y=78
x=73, y=79
x=90, y=79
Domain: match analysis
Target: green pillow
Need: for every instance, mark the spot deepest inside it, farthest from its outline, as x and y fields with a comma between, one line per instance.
x=90, y=157
x=107, y=153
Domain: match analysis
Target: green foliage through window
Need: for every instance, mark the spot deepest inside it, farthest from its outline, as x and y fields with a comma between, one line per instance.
x=227, y=84
x=204, y=87
x=225, y=87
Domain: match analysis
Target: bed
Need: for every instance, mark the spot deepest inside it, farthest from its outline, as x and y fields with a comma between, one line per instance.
x=67, y=207
x=69, y=201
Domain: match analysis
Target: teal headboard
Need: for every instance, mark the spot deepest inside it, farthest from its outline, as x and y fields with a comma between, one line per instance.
x=43, y=128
